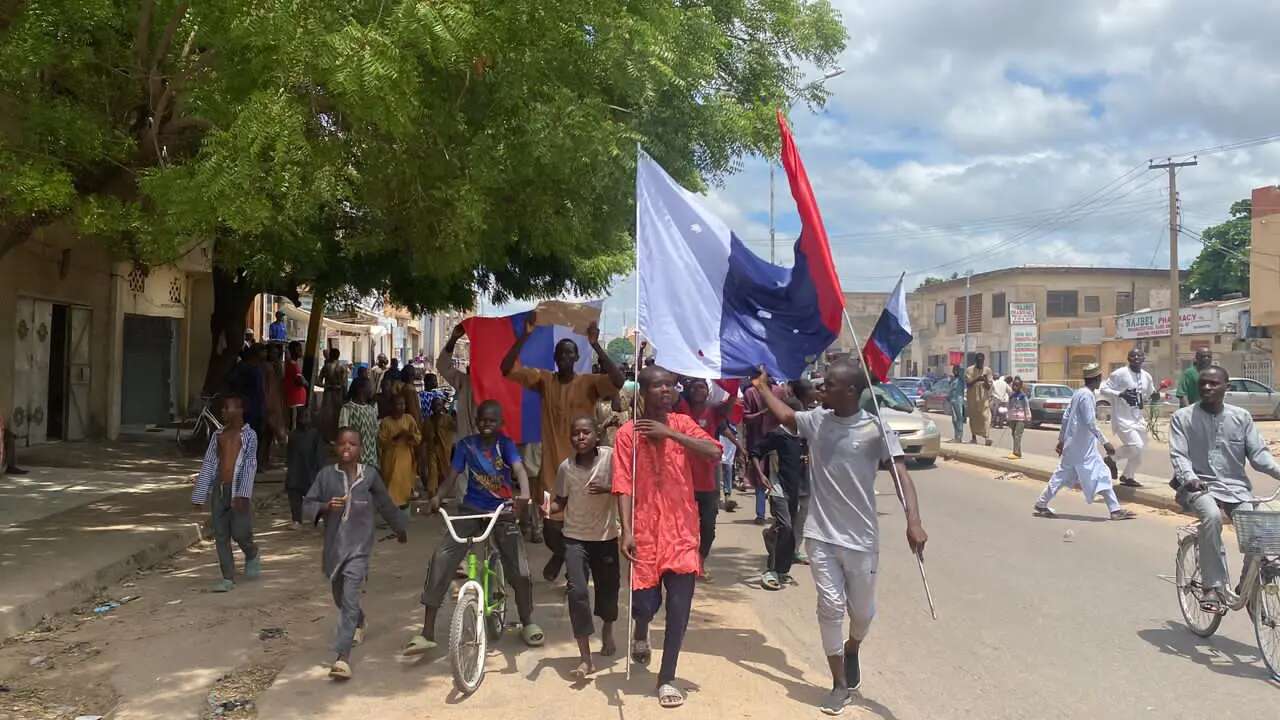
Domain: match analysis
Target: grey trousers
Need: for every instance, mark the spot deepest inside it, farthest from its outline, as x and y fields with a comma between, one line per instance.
x=957, y=419
x=228, y=525
x=1213, y=554
x=798, y=521
x=347, y=584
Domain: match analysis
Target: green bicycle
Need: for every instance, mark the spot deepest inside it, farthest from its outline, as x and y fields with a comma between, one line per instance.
x=480, y=615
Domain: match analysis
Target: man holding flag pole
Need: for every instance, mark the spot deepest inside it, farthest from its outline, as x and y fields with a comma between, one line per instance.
x=713, y=310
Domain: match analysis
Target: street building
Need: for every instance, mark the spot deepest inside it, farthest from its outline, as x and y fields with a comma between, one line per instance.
x=1263, y=330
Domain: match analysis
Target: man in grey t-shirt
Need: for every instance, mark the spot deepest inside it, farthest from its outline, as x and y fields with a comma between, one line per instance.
x=846, y=448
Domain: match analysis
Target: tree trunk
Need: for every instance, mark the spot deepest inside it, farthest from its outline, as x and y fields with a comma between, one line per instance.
x=232, y=297
x=315, y=328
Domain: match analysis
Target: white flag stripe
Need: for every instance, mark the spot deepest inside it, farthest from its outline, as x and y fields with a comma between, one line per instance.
x=682, y=258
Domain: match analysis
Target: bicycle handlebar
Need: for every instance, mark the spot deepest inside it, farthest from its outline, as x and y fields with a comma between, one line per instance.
x=492, y=517
x=1256, y=500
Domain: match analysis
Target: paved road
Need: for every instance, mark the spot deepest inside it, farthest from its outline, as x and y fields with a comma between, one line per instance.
x=1030, y=626
x=1155, y=457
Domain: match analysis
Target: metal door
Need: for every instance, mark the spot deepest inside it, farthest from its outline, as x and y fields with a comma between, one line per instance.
x=30, y=414
x=79, y=336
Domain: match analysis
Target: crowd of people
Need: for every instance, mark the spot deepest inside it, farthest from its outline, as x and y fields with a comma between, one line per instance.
x=633, y=465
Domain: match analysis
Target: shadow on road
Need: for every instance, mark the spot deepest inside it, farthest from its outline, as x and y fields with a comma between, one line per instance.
x=1219, y=654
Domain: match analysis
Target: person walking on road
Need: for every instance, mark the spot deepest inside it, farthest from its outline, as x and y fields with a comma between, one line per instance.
x=307, y=453
x=583, y=493
x=661, y=537
x=333, y=378
x=460, y=380
x=398, y=439
x=1188, y=391
x=295, y=385
x=1129, y=389
x=977, y=381
x=361, y=414
x=346, y=496
x=955, y=398
x=1209, y=444
x=376, y=374
x=225, y=482
x=709, y=416
x=847, y=446
x=999, y=398
x=1019, y=415
x=789, y=458
x=1081, y=464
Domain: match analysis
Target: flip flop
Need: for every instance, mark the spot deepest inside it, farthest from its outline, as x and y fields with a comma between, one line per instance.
x=419, y=646
x=1044, y=511
x=533, y=635
x=769, y=581
x=669, y=697
x=1124, y=514
x=641, y=653
x=582, y=671
x=340, y=670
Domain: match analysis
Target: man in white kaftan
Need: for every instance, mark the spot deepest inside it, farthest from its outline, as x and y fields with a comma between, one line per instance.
x=1129, y=389
x=1081, y=465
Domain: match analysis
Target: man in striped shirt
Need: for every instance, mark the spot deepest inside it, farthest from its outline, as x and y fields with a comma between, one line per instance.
x=226, y=483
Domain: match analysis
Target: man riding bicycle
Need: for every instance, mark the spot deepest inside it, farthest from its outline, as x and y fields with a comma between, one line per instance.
x=1209, y=443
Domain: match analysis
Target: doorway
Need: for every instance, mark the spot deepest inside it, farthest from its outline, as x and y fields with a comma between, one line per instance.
x=146, y=394
x=51, y=372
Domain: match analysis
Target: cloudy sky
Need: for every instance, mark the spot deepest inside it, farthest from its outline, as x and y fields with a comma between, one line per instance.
x=974, y=134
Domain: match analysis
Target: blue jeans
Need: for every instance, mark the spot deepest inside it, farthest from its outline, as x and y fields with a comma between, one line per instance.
x=762, y=499
x=726, y=478
x=957, y=418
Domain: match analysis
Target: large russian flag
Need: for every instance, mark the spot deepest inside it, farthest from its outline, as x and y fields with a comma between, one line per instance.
x=490, y=340
x=891, y=334
x=709, y=306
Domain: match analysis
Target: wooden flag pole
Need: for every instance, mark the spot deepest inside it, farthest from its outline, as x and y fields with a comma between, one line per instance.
x=893, y=466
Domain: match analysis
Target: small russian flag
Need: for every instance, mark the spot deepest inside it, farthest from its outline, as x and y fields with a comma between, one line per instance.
x=891, y=334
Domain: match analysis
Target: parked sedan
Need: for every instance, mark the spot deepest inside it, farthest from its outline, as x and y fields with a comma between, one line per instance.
x=1048, y=402
x=937, y=398
x=1258, y=399
x=920, y=438
x=913, y=387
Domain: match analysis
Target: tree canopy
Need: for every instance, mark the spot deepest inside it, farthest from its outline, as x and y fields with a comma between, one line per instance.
x=1222, y=267
x=422, y=151
x=622, y=351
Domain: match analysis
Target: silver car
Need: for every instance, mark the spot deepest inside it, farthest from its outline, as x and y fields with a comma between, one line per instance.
x=1258, y=399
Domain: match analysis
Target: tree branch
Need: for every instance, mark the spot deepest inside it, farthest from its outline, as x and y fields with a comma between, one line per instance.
x=166, y=40
x=142, y=34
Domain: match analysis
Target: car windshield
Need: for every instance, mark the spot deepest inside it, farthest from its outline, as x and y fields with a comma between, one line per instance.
x=1051, y=391
x=891, y=396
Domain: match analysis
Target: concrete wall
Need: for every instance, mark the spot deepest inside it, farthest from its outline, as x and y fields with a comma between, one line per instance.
x=61, y=268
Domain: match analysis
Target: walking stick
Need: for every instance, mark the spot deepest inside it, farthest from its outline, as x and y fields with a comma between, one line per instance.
x=893, y=466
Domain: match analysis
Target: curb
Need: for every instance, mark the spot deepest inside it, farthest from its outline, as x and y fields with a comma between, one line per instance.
x=20, y=618
x=1142, y=496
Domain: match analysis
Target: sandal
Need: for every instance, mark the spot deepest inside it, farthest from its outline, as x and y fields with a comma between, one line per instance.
x=641, y=653
x=1124, y=514
x=1044, y=511
x=769, y=581
x=340, y=670
x=1213, y=606
x=669, y=697
x=582, y=671
x=1130, y=482
x=419, y=646
x=533, y=635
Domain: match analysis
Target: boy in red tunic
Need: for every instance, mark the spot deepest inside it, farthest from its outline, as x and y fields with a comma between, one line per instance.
x=661, y=539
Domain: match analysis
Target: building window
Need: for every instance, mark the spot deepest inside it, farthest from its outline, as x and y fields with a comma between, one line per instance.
x=999, y=362
x=1062, y=303
x=971, y=306
x=940, y=314
x=998, y=305
x=1092, y=304
x=1124, y=303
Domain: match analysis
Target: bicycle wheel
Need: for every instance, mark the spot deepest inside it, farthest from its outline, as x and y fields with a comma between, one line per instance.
x=467, y=642
x=495, y=622
x=1265, y=606
x=1190, y=589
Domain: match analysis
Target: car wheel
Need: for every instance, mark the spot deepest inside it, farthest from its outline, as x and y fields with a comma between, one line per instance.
x=926, y=461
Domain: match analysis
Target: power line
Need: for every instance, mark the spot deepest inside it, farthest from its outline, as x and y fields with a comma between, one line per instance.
x=1227, y=147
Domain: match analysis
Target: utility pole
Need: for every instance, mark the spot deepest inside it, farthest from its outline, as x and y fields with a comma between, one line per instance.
x=1175, y=278
x=773, y=260
x=968, y=280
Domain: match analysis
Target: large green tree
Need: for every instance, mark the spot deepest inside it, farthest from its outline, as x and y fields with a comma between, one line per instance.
x=420, y=151
x=621, y=350
x=1222, y=267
